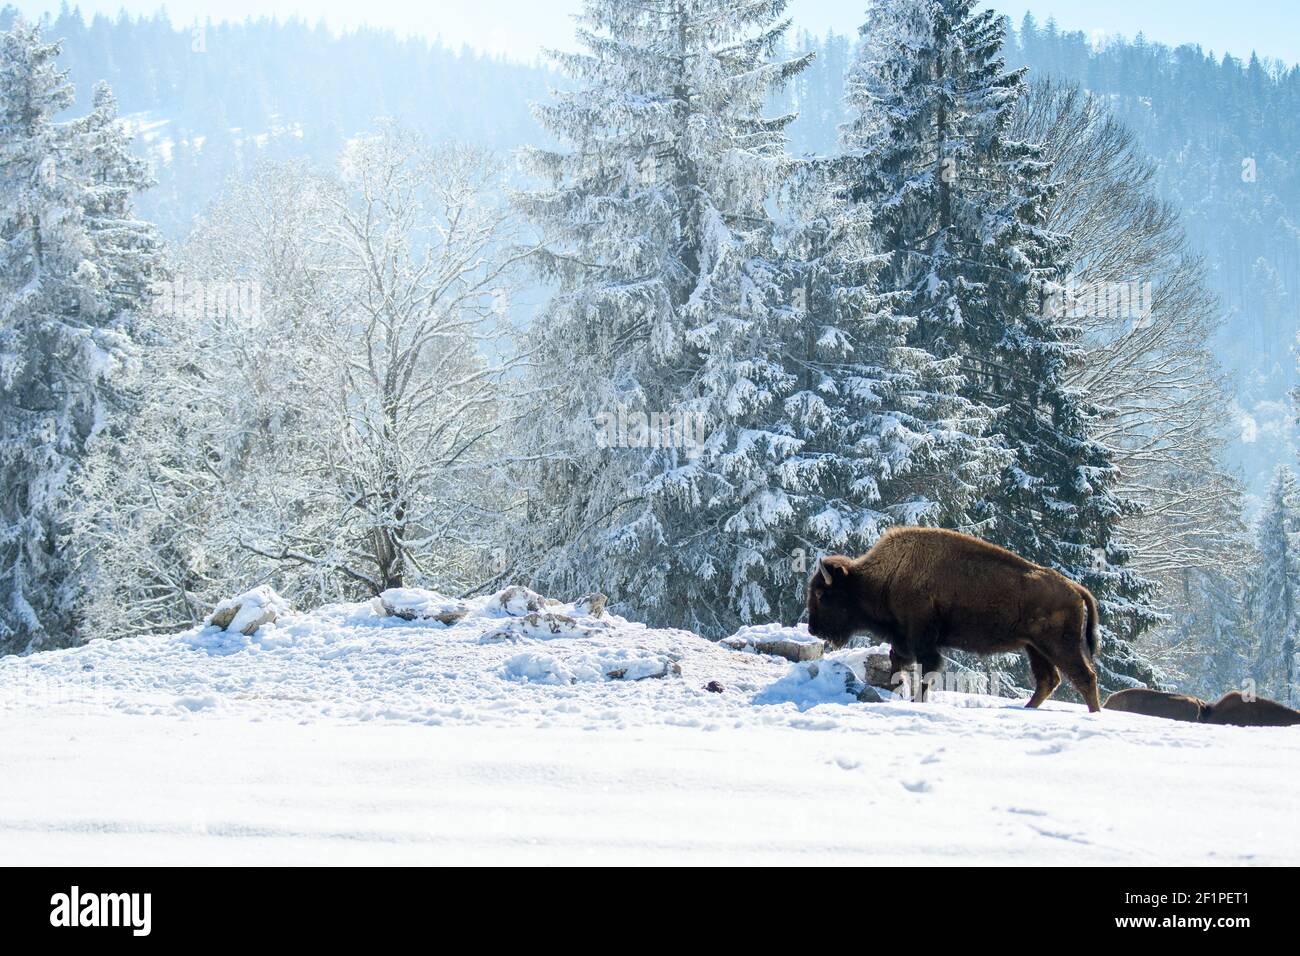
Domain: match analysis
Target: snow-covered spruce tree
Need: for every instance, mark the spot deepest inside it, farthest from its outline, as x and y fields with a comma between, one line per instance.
x=128, y=251
x=1275, y=589
x=960, y=210
x=658, y=426
x=74, y=264
x=885, y=436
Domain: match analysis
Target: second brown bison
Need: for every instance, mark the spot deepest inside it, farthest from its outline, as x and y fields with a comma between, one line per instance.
x=1232, y=709
x=923, y=589
x=1158, y=703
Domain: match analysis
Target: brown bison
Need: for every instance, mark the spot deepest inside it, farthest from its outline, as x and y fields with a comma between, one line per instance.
x=922, y=589
x=1236, y=710
x=1231, y=709
x=1158, y=703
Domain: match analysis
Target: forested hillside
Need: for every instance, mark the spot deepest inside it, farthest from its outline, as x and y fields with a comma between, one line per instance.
x=1225, y=135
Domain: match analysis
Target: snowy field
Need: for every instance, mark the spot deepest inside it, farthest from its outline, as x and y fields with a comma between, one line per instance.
x=518, y=735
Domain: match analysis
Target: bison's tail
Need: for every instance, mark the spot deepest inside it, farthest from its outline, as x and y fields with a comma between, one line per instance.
x=1093, y=622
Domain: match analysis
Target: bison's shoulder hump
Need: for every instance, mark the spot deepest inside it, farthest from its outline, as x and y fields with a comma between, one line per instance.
x=952, y=543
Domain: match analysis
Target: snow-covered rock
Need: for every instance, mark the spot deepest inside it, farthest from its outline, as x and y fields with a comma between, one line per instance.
x=592, y=604
x=249, y=611
x=878, y=670
x=541, y=626
x=528, y=617
x=870, y=695
x=631, y=665
x=417, y=604
x=871, y=664
x=792, y=643
x=534, y=627
x=518, y=600
x=815, y=682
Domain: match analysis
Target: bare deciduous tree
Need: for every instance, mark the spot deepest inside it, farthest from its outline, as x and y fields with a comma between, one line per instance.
x=418, y=260
x=1139, y=295
x=1147, y=317
x=320, y=397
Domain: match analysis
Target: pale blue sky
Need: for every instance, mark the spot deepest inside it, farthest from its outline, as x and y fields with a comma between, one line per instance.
x=520, y=28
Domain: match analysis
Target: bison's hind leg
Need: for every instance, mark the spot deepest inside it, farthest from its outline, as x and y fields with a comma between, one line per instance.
x=1046, y=675
x=1084, y=678
x=1073, y=658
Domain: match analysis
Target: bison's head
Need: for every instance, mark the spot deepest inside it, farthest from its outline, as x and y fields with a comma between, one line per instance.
x=833, y=604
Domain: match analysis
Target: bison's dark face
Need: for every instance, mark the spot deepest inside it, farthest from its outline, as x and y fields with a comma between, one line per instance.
x=833, y=613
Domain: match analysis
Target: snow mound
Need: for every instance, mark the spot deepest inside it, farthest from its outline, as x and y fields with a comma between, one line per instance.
x=815, y=682
x=854, y=675
x=535, y=667
x=206, y=702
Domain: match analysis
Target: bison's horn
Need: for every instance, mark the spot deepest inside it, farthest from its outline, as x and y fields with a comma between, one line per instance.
x=824, y=571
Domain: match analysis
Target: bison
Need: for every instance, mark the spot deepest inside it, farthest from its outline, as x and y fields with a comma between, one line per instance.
x=923, y=589
x=1158, y=703
x=1238, y=711
x=1232, y=709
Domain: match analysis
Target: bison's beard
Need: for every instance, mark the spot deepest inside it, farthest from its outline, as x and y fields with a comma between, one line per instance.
x=837, y=639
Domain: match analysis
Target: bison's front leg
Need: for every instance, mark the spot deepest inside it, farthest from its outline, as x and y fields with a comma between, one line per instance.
x=900, y=671
x=931, y=670
x=1045, y=673
x=923, y=642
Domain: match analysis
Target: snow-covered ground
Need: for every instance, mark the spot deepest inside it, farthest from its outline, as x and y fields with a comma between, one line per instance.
x=346, y=735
